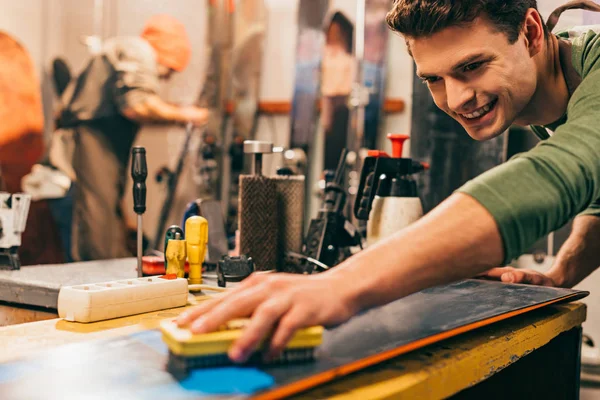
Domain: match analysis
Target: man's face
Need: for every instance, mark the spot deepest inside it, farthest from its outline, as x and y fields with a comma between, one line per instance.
x=476, y=76
x=164, y=72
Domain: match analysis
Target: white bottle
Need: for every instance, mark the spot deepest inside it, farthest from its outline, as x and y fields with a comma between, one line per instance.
x=391, y=212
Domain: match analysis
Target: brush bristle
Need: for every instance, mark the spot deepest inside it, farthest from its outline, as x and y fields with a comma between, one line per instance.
x=181, y=364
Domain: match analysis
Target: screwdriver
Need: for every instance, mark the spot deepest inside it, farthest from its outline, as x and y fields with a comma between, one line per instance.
x=139, y=172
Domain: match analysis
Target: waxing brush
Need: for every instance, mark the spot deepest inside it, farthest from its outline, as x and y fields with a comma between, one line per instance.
x=188, y=351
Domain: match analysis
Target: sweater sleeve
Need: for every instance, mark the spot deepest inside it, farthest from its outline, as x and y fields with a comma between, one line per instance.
x=539, y=191
x=593, y=209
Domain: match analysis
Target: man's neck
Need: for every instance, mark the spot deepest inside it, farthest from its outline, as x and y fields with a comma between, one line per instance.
x=549, y=102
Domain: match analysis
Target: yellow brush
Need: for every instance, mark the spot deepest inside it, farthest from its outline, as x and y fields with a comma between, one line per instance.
x=188, y=350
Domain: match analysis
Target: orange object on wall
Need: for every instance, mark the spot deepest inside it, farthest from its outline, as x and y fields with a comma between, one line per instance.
x=21, y=130
x=22, y=145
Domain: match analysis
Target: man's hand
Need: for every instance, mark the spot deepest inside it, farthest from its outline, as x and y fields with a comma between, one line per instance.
x=195, y=115
x=515, y=275
x=578, y=257
x=278, y=303
x=154, y=109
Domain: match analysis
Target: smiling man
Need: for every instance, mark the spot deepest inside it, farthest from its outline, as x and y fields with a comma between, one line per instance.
x=488, y=64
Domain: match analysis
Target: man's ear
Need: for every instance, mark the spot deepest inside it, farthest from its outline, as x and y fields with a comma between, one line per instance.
x=407, y=42
x=533, y=30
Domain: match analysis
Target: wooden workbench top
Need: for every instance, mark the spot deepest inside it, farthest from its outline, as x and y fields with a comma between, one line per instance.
x=436, y=371
x=19, y=340
x=39, y=285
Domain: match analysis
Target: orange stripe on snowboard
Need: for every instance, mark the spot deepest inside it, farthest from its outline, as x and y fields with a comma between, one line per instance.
x=323, y=377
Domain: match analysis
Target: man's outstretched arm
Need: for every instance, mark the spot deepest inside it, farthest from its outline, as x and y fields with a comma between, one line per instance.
x=154, y=109
x=457, y=240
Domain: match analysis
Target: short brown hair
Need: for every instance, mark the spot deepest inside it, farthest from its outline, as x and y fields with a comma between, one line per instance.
x=418, y=18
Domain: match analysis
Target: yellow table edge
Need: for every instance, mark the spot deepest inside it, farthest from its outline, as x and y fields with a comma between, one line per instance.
x=444, y=369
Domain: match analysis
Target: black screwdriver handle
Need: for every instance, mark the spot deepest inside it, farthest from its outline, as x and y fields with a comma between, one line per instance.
x=139, y=172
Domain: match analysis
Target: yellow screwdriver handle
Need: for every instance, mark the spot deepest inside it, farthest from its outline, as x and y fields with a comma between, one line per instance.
x=196, y=235
x=175, y=255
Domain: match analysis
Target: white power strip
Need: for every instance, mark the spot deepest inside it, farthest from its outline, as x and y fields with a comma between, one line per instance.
x=114, y=299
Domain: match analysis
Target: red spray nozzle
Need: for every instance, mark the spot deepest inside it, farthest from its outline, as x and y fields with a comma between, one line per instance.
x=397, y=143
x=425, y=165
x=377, y=153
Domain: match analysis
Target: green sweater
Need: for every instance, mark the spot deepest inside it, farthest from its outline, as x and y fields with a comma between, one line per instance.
x=539, y=191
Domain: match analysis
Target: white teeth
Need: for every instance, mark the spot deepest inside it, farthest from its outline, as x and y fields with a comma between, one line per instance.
x=482, y=111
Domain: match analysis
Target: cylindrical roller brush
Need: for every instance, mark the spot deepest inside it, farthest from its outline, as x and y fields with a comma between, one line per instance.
x=258, y=221
x=290, y=206
x=257, y=212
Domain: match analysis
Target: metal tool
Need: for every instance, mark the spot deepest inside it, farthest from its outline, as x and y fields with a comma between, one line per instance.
x=358, y=101
x=330, y=233
x=299, y=263
x=257, y=149
x=172, y=179
x=13, y=218
x=206, y=174
x=234, y=269
x=296, y=160
x=139, y=172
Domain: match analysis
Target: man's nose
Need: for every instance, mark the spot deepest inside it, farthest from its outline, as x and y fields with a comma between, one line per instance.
x=459, y=95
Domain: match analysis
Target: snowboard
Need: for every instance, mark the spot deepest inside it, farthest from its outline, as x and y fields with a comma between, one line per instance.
x=338, y=74
x=345, y=124
x=304, y=115
x=170, y=179
x=214, y=96
x=249, y=31
x=309, y=49
x=372, y=71
x=374, y=67
x=134, y=366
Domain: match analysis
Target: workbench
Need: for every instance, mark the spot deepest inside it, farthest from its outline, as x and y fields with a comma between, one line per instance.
x=535, y=355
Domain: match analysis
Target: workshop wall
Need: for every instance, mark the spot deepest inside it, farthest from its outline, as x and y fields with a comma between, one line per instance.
x=55, y=27
x=30, y=34
x=567, y=19
x=60, y=25
x=50, y=28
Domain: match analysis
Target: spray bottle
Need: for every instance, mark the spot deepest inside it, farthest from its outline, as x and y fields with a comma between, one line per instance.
x=387, y=195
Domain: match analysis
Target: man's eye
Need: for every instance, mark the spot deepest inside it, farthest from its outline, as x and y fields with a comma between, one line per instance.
x=473, y=66
x=430, y=79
